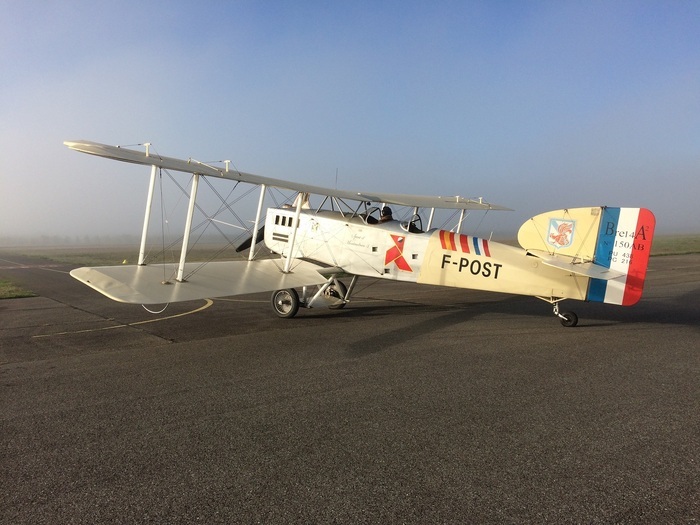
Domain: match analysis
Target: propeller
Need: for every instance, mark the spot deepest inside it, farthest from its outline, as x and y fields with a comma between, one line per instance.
x=249, y=241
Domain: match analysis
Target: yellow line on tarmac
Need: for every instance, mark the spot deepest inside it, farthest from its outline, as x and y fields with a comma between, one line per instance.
x=209, y=302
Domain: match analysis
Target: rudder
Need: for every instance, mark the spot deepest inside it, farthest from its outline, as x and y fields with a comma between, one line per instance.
x=624, y=244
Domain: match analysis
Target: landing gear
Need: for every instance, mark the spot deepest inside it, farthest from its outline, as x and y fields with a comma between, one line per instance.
x=567, y=319
x=285, y=303
x=333, y=294
x=336, y=292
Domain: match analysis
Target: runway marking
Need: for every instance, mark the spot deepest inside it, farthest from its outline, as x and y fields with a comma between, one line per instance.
x=31, y=267
x=209, y=302
x=51, y=269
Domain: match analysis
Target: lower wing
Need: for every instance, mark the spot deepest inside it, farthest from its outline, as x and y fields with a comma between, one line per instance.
x=153, y=284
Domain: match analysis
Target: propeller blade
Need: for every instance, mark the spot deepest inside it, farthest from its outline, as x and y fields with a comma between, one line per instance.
x=249, y=241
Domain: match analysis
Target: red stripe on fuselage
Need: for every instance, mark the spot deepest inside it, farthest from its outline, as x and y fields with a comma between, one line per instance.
x=464, y=243
x=442, y=239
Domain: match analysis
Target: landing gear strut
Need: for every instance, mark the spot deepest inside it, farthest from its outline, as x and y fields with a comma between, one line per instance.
x=568, y=319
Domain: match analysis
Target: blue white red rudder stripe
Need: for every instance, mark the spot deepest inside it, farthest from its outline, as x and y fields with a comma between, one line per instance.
x=624, y=244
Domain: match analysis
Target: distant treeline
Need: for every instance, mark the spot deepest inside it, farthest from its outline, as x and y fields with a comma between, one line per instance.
x=66, y=240
x=76, y=240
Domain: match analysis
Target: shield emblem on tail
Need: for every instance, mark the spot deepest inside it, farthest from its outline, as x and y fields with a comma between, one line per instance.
x=561, y=233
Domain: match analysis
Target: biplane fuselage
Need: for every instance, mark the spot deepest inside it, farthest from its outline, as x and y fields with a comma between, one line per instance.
x=389, y=250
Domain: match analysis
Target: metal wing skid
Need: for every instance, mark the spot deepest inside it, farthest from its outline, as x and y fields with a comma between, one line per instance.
x=195, y=167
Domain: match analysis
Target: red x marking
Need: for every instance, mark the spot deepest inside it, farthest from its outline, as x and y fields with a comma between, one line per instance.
x=395, y=254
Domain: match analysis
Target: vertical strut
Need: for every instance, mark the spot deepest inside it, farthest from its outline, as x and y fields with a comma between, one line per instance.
x=295, y=228
x=430, y=219
x=461, y=218
x=147, y=218
x=188, y=225
x=254, y=240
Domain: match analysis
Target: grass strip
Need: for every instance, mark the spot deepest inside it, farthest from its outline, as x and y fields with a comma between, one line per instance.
x=9, y=290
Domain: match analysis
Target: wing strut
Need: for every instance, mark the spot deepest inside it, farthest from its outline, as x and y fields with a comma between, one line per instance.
x=263, y=189
x=188, y=226
x=147, y=218
x=430, y=219
x=297, y=214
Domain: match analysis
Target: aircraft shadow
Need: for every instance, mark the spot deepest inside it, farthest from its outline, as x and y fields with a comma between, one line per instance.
x=378, y=342
x=683, y=310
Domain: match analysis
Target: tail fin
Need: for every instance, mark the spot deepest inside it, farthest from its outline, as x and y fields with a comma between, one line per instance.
x=624, y=244
x=616, y=239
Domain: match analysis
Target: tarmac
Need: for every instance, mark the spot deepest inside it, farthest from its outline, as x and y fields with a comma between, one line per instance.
x=413, y=404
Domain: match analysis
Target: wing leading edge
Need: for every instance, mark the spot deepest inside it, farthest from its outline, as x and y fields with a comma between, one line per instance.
x=192, y=166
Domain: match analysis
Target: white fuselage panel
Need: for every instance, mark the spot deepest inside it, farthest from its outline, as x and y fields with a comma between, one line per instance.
x=376, y=250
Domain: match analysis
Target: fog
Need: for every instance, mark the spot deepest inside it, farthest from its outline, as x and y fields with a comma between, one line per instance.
x=534, y=106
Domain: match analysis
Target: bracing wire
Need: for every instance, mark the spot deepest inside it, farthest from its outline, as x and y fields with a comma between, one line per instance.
x=480, y=222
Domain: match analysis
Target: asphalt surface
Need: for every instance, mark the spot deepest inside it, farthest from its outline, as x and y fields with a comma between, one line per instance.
x=412, y=405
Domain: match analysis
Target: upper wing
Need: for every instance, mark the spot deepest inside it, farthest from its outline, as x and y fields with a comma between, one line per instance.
x=192, y=166
x=145, y=284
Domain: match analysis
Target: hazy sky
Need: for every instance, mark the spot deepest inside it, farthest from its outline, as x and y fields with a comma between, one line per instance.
x=532, y=105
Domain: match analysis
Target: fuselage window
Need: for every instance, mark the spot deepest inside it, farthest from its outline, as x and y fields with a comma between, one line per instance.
x=283, y=220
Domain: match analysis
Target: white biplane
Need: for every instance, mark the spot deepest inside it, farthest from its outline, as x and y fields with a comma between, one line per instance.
x=589, y=254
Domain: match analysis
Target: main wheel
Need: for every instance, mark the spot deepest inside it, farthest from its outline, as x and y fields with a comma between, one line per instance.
x=569, y=319
x=285, y=302
x=336, y=292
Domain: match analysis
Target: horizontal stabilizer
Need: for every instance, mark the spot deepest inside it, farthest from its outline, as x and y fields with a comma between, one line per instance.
x=571, y=264
x=156, y=284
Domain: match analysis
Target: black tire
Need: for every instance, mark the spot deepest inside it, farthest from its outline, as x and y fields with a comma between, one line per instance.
x=339, y=292
x=569, y=319
x=285, y=302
